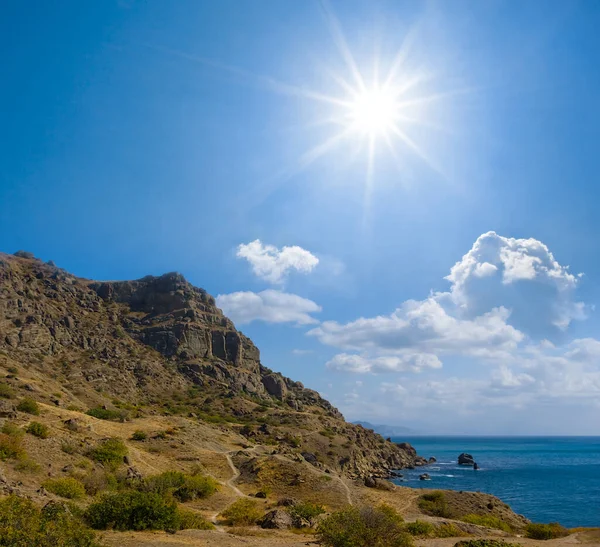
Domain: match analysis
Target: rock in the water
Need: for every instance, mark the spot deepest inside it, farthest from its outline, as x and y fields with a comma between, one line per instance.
x=465, y=459
x=278, y=518
x=424, y=477
x=431, y=460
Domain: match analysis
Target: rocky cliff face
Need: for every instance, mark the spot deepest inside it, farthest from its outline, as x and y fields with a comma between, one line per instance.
x=156, y=338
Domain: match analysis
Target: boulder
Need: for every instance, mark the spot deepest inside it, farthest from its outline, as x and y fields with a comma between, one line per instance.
x=288, y=502
x=275, y=386
x=370, y=482
x=424, y=477
x=276, y=519
x=310, y=458
x=431, y=460
x=465, y=459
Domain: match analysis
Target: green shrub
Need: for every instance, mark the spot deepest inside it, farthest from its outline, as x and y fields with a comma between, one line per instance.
x=25, y=465
x=68, y=447
x=183, y=487
x=29, y=405
x=6, y=392
x=305, y=512
x=107, y=414
x=12, y=429
x=420, y=528
x=67, y=487
x=109, y=452
x=545, y=531
x=488, y=521
x=132, y=510
x=357, y=527
x=243, y=512
x=22, y=524
x=190, y=520
x=485, y=543
x=434, y=503
x=139, y=436
x=38, y=430
x=449, y=530
x=10, y=447
x=98, y=481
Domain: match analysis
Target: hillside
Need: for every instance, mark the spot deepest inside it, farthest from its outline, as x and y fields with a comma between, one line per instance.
x=156, y=366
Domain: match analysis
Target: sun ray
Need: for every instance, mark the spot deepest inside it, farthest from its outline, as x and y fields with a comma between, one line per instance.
x=415, y=148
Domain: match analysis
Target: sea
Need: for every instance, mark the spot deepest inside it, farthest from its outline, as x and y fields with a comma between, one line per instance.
x=546, y=479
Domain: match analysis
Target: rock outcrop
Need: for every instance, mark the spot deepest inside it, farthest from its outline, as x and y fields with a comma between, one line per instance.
x=465, y=459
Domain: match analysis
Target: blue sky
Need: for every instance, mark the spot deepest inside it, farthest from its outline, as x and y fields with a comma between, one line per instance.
x=429, y=287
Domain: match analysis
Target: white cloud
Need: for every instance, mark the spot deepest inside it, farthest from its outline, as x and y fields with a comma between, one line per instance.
x=270, y=306
x=273, y=264
x=504, y=377
x=423, y=327
x=521, y=275
x=302, y=351
x=415, y=362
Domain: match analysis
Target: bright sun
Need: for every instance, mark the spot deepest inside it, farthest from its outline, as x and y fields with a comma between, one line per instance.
x=373, y=112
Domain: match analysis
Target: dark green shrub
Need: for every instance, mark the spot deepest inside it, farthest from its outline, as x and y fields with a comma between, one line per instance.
x=139, y=436
x=488, y=521
x=305, y=513
x=6, y=392
x=243, y=512
x=67, y=487
x=107, y=414
x=109, y=452
x=434, y=504
x=485, y=543
x=190, y=520
x=183, y=487
x=22, y=524
x=38, y=430
x=420, y=528
x=29, y=405
x=98, y=481
x=358, y=527
x=545, y=531
x=132, y=510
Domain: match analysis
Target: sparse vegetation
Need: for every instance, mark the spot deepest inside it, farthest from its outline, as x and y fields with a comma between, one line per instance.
x=190, y=520
x=27, y=465
x=354, y=527
x=109, y=452
x=303, y=513
x=435, y=504
x=6, y=392
x=139, y=436
x=545, y=531
x=181, y=486
x=489, y=521
x=29, y=405
x=485, y=543
x=107, y=414
x=133, y=510
x=449, y=530
x=10, y=447
x=420, y=528
x=38, y=430
x=243, y=512
x=67, y=487
x=22, y=523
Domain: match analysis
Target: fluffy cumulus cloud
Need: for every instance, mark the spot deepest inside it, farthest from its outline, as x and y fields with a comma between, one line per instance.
x=521, y=275
x=270, y=306
x=273, y=264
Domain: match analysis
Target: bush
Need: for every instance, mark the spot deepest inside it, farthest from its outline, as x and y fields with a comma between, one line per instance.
x=109, y=452
x=10, y=447
x=485, y=543
x=133, y=510
x=449, y=530
x=420, y=528
x=68, y=487
x=29, y=405
x=354, y=527
x=190, y=520
x=12, y=429
x=434, y=504
x=488, y=521
x=545, y=531
x=305, y=513
x=98, y=481
x=23, y=524
x=38, y=430
x=26, y=465
x=139, y=436
x=183, y=487
x=68, y=447
x=6, y=392
x=107, y=414
x=243, y=512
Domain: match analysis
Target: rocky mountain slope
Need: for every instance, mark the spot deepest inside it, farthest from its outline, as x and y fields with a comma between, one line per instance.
x=159, y=345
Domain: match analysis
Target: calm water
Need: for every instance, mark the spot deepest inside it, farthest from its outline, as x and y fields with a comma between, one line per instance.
x=547, y=479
